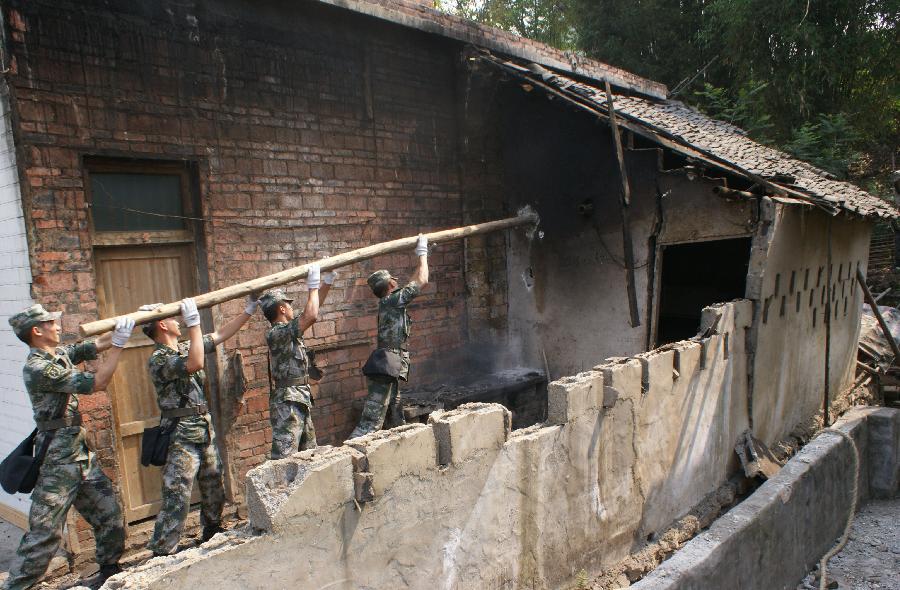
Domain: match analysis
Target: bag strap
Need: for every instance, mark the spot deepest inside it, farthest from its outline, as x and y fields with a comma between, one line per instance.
x=48, y=435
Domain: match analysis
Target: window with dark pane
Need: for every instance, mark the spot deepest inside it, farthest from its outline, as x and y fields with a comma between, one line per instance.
x=136, y=202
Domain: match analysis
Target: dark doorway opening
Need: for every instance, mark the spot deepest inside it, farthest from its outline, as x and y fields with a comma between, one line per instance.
x=695, y=276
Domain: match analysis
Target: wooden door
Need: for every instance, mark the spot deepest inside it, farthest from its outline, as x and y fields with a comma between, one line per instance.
x=128, y=277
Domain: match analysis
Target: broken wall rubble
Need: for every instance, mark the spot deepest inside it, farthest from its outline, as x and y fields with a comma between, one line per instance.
x=463, y=502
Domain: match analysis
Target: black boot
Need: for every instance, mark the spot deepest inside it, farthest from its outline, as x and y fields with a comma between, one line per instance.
x=100, y=577
x=210, y=531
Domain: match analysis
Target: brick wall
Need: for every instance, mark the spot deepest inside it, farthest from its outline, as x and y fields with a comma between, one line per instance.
x=313, y=132
x=482, y=182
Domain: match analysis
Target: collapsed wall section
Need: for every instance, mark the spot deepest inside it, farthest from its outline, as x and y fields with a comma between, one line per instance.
x=463, y=502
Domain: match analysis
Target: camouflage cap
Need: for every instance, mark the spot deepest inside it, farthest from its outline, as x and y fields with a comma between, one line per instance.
x=378, y=278
x=24, y=321
x=272, y=298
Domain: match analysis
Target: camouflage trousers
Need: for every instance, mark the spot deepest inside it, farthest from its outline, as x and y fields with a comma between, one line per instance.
x=292, y=428
x=383, y=406
x=185, y=461
x=59, y=486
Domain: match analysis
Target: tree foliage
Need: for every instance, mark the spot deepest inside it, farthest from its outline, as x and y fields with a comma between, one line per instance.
x=548, y=21
x=819, y=78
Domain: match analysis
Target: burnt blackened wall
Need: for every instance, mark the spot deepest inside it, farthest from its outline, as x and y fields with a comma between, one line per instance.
x=567, y=295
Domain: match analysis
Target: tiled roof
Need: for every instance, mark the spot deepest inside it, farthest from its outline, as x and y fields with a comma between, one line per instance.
x=645, y=109
x=689, y=131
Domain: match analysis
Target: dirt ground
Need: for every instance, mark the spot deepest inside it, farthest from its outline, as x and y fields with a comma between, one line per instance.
x=9, y=540
x=871, y=558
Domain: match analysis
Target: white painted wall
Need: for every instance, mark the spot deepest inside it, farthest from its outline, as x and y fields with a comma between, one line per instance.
x=16, y=420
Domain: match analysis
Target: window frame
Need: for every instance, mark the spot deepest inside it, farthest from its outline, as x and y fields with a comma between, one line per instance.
x=146, y=167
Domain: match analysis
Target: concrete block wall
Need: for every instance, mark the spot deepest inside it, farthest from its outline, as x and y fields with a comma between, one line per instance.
x=15, y=295
x=463, y=502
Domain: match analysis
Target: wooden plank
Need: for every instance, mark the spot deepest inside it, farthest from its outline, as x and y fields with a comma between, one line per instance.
x=127, y=277
x=131, y=238
x=294, y=274
x=627, y=247
x=617, y=142
x=14, y=517
x=874, y=305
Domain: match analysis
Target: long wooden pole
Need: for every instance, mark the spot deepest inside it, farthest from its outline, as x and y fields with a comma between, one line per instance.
x=298, y=272
x=627, y=247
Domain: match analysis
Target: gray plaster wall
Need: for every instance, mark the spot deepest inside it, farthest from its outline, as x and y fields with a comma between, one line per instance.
x=463, y=502
x=788, y=371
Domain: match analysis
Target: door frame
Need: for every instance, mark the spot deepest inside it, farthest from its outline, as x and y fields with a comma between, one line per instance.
x=194, y=234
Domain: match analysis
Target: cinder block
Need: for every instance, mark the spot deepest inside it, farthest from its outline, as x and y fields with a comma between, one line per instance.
x=363, y=482
x=711, y=351
x=726, y=317
x=656, y=372
x=624, y=377
x=743, y=314
x=686, y=361
x=409, y=450
x=469, y=430
x=310, y=481
x=571, y=397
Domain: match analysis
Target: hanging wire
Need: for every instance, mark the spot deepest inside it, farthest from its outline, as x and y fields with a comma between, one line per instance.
x=98, y=184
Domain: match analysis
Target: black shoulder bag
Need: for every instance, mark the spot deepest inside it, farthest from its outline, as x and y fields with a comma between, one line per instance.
x=19, y=471
x=383, y=362
x=155, y=441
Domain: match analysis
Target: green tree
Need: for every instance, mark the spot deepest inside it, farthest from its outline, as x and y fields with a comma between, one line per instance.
x=820, y=78
x=547, y=21
x=819, y=58
x=657, y=39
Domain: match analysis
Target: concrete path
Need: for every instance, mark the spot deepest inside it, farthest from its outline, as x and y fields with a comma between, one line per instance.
x=871, y=558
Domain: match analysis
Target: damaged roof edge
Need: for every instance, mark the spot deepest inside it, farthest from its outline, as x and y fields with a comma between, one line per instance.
x=832, y=197
x=429, y=20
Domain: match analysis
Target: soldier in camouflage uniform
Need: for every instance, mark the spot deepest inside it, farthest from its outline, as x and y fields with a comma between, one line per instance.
x=70, y=474
x=383, y=401
x=290, y=402
x=177, y=373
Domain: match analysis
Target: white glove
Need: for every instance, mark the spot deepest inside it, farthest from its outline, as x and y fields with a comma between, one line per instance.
x=422, y=246
x=150, y=307
x=329, y=277
x=313, y=279
x=252, y=304
x=120, y=336
x=189, y=312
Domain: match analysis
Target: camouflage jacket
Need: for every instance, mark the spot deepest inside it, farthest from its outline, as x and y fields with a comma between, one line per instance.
x=168, y=371
x=394, y=322
x=49, y=378
x=289, y=363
